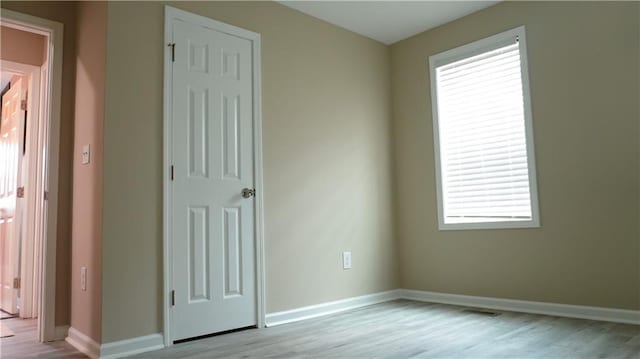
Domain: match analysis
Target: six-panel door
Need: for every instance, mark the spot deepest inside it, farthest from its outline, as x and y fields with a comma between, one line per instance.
x=213, y=238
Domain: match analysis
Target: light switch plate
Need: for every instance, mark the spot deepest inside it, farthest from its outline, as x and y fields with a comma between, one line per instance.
x=86, y=154
x=346, y=260
x=83, y=278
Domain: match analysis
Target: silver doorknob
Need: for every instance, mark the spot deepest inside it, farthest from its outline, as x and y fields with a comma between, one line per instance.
x=248, y=193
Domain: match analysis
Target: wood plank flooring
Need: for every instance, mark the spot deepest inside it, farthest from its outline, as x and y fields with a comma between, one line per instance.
x=398, y=329
x=25, y=345
x=406, y=329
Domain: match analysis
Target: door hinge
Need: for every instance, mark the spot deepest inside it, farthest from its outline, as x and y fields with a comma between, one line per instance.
x=23, y=105
x=20, y=192
x=46, y=195
x=173, y=298
x=172, y=172
x=173, y=51
x=16, y=283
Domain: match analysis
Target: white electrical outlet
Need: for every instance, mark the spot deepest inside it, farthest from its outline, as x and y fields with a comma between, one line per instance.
x=83, y=278
x=346, y=260
x=86, y=154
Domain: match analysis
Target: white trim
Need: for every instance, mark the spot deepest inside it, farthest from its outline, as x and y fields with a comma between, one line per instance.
x=83, y=343
x=172, y=14
x=258, y=178
x=62, y=331
x=468, y=50
x=513, y=305
x=318, y=310
x=133, y=346
x=118, y=349
x=166, y=183
x=51, y=141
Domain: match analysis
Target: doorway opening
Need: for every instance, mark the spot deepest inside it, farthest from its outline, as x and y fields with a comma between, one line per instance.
x=19, y=237
x=31, y=64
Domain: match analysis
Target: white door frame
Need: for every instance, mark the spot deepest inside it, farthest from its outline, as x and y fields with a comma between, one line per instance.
x=47, y=161
x=30, y=238
x=172, y=14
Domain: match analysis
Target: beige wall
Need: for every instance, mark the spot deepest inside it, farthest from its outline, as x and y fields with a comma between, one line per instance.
x=86, y=242
x=583, y=64
x=326, y=110
x=21, y=46
x=65, y=13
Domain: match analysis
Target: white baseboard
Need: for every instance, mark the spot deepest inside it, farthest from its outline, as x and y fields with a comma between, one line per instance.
x=313, y=311
x=61, y=332
x=119, y=349
x=83, y=343
x=131, y=346
x=513, y=305
x=555, y=309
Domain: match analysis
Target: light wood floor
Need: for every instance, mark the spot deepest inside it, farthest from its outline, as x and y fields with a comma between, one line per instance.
x=398, y=329
x=24, y=343
x=403, y=329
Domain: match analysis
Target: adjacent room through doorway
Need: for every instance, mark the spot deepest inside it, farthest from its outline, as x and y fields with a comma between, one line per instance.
x=23, y=56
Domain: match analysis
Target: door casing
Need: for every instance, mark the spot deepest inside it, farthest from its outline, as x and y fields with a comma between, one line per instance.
x=172, y=14
x=51, y=83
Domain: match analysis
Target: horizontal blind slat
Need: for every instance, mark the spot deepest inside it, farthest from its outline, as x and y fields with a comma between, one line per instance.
x=470, y=183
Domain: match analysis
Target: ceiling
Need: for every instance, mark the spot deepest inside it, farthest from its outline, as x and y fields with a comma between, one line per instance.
x=388, y=21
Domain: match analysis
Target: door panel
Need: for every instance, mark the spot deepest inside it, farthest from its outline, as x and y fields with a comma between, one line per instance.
x=198, y=249
x=213, y=229
x=232, y=253
x=230, y=140
x=11, y=134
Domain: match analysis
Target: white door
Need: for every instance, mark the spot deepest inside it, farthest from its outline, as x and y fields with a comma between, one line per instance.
x=212, y=153
x=11, y=142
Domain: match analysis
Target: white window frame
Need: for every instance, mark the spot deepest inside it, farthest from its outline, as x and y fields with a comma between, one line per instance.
x=466, y=51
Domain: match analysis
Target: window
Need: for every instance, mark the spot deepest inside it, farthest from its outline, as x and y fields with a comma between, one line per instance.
x=483, y=137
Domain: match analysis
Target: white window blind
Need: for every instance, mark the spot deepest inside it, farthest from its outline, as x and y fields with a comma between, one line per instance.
x=484, y=157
